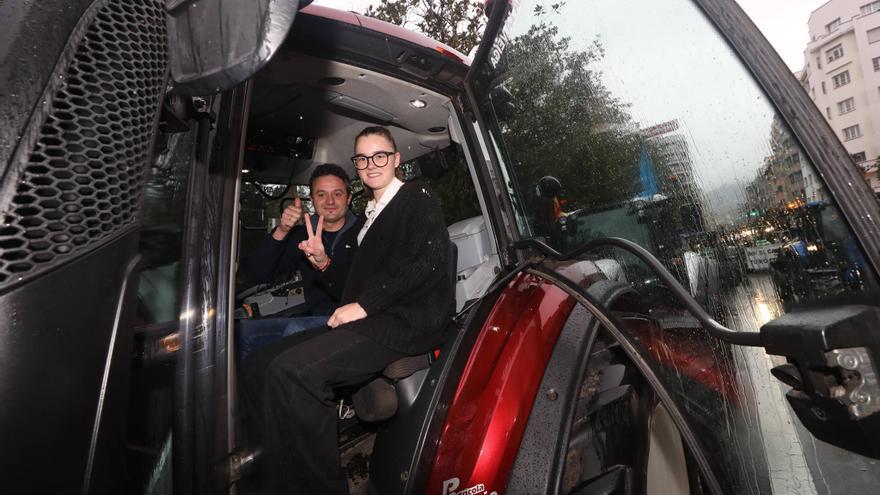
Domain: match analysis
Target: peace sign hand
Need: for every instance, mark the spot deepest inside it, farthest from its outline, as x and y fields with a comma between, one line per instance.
x=313, y=246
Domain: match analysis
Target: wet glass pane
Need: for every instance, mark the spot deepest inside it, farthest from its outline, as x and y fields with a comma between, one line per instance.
x=162, y=227
x=635, y=120
x=148, y=442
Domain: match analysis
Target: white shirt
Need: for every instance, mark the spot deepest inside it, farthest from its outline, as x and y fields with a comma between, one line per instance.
x=374, y=208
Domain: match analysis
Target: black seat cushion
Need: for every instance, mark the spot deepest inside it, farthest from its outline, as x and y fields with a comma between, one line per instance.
x=375, y=401
x=402, y=368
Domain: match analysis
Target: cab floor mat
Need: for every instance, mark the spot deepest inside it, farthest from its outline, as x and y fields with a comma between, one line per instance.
x=355, y=463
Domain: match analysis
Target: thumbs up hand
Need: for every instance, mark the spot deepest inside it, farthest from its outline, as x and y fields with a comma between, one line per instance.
x=289, y=218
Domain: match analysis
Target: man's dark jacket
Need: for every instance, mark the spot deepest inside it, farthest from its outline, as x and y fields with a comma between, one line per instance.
x=400, y=274
x=278, y=260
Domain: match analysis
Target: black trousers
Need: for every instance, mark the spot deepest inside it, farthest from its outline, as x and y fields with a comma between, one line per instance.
x=287, y=399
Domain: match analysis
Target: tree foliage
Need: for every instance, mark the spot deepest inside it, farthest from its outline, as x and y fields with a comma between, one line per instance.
x=561, y=120
x=553, y=112
x=457, y=23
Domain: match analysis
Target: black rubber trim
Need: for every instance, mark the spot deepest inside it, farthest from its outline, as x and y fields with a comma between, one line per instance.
x=541, y=458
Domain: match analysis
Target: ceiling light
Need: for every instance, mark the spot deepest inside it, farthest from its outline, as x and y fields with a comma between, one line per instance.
x=418, y=103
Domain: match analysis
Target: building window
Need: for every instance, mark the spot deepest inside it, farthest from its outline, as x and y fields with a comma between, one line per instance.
x=834, y=53
x=846, y=106
x=870, y=8
x=858, y=157
x=828, y=113
x=823, y=88
x=818, y=62
x=873, y=35
x=833, y=25
x=841, y=79
x=851, y=133
x=876, y=61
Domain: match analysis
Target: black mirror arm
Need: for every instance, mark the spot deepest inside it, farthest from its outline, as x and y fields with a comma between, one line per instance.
x=832, y=355
x=714, y=328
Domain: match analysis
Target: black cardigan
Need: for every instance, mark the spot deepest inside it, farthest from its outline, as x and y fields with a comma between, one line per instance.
x=400, y=274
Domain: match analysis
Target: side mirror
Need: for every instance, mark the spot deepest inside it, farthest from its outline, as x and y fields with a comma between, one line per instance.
x=833, y=355
x=215, y=45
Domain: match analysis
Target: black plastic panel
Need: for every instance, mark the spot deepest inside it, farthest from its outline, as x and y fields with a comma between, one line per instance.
x=542, y=450
x=322, y=37
x=33, y=35
x=55, y=335
x=82, y=179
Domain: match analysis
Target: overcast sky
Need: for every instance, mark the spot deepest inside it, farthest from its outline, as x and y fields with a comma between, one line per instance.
x=354, y=5
x=783, y=22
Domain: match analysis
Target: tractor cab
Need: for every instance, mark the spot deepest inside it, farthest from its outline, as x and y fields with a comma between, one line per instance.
x=646, y=300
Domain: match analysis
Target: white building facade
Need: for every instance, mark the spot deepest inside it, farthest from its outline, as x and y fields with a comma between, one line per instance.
x=842, y=75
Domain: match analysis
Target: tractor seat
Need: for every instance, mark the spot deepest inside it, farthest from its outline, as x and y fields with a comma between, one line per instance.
x=378, y=400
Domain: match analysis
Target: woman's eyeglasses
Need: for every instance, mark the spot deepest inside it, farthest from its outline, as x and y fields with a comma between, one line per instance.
x=379, y=159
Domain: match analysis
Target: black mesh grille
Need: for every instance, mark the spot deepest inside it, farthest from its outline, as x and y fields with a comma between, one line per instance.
x=84, y=178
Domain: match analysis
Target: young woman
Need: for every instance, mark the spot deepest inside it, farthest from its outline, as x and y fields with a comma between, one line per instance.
x=397, y=301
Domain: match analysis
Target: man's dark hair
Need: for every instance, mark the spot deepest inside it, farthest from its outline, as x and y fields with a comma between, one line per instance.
x=330, y=169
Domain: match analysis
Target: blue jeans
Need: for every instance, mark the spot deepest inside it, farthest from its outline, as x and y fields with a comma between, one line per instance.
x=259, y=332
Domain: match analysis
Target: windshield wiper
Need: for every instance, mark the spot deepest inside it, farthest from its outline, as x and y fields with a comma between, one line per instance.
x=714, y=328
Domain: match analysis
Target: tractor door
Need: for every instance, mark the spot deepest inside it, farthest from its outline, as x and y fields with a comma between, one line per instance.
x=83, y=83
x=118, y=205
x=676, y=126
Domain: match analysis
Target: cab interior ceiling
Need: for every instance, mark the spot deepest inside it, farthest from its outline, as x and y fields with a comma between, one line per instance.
x=330, y=102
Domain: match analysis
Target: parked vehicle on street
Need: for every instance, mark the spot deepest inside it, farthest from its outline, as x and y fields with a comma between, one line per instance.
x=149, y=145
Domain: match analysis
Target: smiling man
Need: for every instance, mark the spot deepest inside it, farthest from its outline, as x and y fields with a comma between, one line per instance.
x=321, y=249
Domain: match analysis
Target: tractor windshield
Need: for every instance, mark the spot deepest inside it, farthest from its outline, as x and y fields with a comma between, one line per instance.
x=643, y=106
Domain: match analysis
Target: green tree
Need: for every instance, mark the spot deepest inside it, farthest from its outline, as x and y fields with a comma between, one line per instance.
x=561, y=120
x=457, y=23
x=553, y=111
